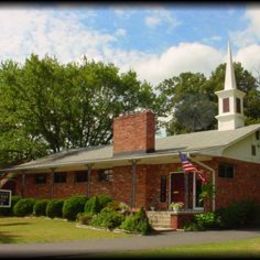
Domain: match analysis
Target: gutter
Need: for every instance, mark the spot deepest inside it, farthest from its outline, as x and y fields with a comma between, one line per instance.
x=213, y=177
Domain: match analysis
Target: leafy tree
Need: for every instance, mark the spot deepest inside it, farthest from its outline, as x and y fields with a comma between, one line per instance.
x=191, y=102
x=48, y=107
x=186, y=98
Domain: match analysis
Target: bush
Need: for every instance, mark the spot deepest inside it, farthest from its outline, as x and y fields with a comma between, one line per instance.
x=107, y=218
x=84, y=218
x=72, y=206
x=203, y=221
x=39, y=208
x=92, y=205
x=9, y=211
x=54, y=208
x=121, y=207
x=24, y=207
x=238, y=214
x=104, y=200
x=137, y=222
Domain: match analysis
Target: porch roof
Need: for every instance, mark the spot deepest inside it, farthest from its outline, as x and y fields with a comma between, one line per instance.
x=206, y=143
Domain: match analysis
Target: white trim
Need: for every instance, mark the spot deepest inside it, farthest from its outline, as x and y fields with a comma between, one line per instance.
x=194, y=195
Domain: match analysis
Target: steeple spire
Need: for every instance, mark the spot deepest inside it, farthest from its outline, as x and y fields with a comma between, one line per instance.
x=230, y=100
x=230, y=80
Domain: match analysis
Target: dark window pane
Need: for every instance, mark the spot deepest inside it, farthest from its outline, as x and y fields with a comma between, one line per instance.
x=60, y=177
x=257, y=135
x=163, y=189
x=226, y=171
x=225, y=105
x=81, y=176
x=40, y=178
x=253, y=150
x=238, y=105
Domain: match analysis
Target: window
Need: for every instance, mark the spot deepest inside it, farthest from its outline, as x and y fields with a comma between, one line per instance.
x=81, y=176
x=40, y=178
x=226, y=171
x=238, y=105
x=253, y=150
x=225, y=105
x=60, y=177
x=163, y=189
x=257, y=135
x=105, y=175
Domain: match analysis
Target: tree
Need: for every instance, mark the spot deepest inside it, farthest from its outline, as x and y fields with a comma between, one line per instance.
x=186, y=98
x=48, y=107
x=245, y=82
x=191, y=102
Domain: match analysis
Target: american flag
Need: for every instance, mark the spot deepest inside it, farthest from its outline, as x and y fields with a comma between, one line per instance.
x=187, y=166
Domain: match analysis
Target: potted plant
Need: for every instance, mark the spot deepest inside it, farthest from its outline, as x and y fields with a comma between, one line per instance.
x=176, y=206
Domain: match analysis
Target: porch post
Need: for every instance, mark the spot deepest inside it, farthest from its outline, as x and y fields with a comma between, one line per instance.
x=52, y=182
x=133, y=185
x=186, y=190
x=89, y=167
x=170, y=190
x=23, y=184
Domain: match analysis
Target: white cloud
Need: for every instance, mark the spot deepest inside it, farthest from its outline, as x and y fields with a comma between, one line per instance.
x=249, y=58
x=248, y=41
x=251, y=33
x=161, y=16
x=120, y=32
x=193, y=57
x=45, y=31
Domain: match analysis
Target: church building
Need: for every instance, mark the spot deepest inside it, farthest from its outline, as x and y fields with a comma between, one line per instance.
x=144, y=171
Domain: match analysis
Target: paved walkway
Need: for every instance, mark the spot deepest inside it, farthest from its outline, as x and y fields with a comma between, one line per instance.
x=95, y=247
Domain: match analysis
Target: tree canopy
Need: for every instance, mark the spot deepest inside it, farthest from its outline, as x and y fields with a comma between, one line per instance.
x=191, y=102
x=47, y=107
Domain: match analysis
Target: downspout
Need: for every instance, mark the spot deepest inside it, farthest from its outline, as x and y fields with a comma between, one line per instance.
x=213, y=178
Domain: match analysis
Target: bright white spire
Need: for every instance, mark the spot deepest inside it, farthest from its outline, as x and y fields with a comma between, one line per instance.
x=230, y=80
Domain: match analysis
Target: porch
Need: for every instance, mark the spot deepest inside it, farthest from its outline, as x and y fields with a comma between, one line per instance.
x=170, y=220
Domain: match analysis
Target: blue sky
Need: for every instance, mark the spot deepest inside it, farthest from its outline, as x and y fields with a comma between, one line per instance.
x=157, y=40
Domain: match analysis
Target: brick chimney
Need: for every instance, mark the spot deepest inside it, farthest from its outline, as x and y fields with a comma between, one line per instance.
x=134, y=132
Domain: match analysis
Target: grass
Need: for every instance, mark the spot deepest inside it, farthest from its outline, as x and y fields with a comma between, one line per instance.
x=41, y=229
x=242, y=248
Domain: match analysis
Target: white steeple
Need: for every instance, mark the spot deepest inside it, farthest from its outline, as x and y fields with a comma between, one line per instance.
x=230, y=80
x=230, y=100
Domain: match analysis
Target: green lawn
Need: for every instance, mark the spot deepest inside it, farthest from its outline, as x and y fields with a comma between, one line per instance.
x=242, y=248
x=40, y=229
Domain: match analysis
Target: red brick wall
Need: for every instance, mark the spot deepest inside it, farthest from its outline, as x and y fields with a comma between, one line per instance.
x=244, y=185
x=134, y=133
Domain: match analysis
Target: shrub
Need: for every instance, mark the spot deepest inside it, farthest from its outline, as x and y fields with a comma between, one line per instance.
x=107, y=218
x=9, y=211
x=54, y=208
x=238, y=214
x=24, y=207
x=39, y=208
x=137, y=222
x=121, y=207
x=203, y=221
x=72, y=206
x=104, y=200
x=84, y=218
x=92, y=205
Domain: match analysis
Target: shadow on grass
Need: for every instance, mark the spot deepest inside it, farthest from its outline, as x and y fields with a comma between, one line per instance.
x=6, y=238
x=14, y=224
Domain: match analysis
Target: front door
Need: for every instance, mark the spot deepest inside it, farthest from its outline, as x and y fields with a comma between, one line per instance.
x=177, y=187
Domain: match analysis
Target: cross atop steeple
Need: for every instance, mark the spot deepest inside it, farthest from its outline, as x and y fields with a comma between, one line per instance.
x=230, y=80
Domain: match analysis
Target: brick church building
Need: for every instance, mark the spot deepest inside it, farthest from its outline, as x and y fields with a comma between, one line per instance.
x=142, y=170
